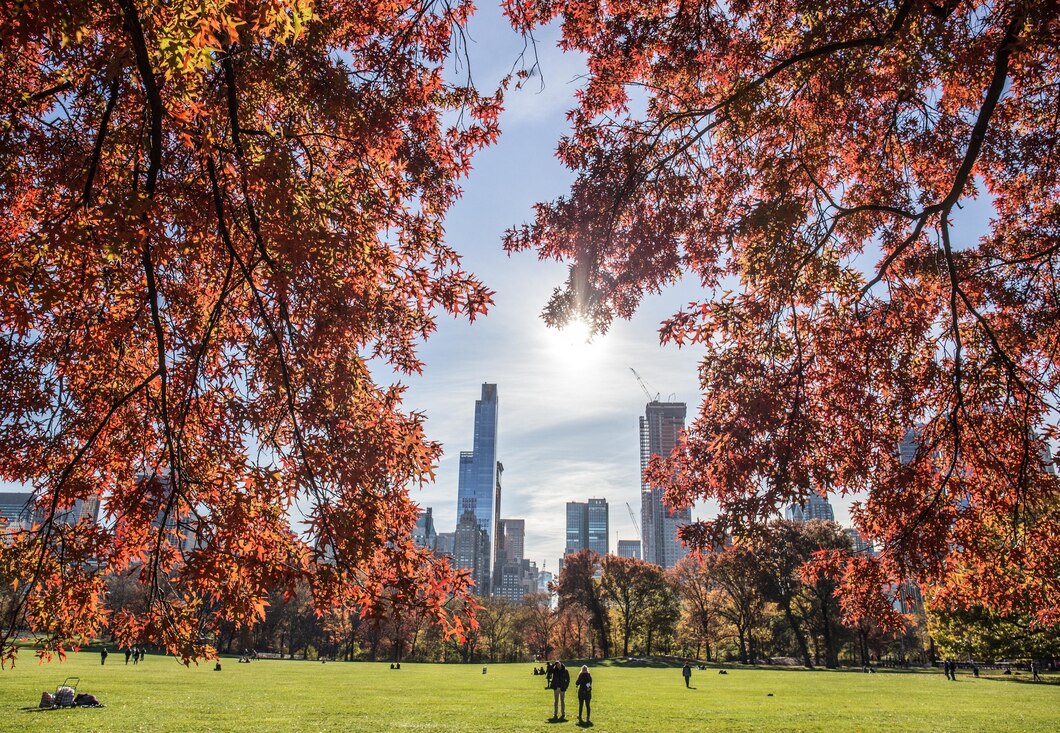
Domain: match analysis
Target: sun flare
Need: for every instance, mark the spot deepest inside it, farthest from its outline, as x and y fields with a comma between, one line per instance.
x=574, y=345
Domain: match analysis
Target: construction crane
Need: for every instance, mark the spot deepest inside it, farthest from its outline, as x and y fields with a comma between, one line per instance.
x=643, y=386
x=633, y=519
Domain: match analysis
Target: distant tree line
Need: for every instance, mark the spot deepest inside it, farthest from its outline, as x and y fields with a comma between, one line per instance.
x=749, y=602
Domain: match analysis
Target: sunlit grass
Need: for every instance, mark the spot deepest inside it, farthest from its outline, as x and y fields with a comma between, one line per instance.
x=161, y=695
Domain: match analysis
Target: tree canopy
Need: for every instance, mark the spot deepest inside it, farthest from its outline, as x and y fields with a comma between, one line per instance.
x=807, y=163
x=214, y=216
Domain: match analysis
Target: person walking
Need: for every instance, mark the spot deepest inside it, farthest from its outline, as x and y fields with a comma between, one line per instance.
x=548, y=675
x=584, y=683
x=686, y=672
x=560, y=683
x=128, y=653
x=103, y=656
x=1035, y=669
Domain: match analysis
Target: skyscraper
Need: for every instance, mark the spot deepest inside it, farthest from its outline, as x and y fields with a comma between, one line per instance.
x=425, y=534
x=815, y=507
x=479, y=485
x=859, y=543
x=597, y=530
x=587, y=526
x=18, y=510
x=660, y=427
x=514, y=575
x=471, y=551
x=445, y=543
x=629, y=548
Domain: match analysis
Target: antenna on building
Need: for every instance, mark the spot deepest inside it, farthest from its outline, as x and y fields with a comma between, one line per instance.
x=643, y=386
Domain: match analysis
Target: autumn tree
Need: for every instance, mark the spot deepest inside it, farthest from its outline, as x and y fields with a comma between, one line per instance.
x=579, y=587
x=214, y=216
x=497, y=621
x=692, y=576
x=661, y=616
x=538, y=622
x=807, y=163
x=574, y=635
x=737, y=573
x=629, y=587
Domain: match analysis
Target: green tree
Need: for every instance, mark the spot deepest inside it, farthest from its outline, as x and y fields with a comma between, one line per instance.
x=630, y=588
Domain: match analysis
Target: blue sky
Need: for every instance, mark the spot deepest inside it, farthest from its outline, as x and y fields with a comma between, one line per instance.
x=568, y=427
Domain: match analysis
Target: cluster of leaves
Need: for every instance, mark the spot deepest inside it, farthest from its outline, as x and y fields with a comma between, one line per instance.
x=215, y=215
x=976, y=633
x=805, y=162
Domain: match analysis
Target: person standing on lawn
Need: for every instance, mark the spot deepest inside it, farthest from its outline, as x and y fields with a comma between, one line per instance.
x=560, y=683
x=686, y=672
x=584, y=683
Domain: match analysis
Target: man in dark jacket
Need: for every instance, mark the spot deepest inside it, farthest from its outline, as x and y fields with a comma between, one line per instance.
x=686, y=672
x=560, y=683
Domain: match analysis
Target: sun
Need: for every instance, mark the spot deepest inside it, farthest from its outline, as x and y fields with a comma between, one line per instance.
x=574, y=345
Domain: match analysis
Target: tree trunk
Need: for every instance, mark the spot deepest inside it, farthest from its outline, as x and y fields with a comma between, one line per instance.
x=799, y=636
x=830, y=659
x=246, y=640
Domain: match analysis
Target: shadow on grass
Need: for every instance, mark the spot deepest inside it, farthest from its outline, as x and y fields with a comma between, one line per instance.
x=1028, y=680
x=729, y=667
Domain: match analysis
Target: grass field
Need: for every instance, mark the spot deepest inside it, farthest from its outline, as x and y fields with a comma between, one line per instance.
x=160, y=695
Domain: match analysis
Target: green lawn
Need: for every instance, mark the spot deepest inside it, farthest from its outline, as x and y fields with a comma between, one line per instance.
x=160, y=695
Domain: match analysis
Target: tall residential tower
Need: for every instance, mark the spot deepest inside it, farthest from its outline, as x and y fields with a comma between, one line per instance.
x=660, y=427
x=479, y=488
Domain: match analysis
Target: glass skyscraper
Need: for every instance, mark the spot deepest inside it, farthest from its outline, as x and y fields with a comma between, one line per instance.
x=815, y=507
x=587, y=526
x=478, y=490
x=660, y=428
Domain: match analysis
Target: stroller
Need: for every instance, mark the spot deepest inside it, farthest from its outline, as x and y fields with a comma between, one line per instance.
x=64, y=694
